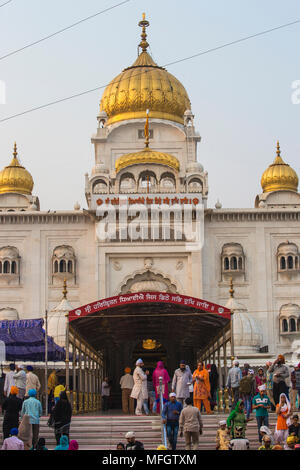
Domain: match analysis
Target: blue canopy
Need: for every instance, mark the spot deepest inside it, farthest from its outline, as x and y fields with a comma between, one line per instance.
x=25, y=341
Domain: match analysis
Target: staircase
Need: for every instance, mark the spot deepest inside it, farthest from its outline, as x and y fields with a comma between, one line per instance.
x=105, y=432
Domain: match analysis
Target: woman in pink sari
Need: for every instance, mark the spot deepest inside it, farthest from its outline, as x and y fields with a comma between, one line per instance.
x=160, y=371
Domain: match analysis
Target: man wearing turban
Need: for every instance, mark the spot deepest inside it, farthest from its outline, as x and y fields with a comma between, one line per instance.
x=261, y=403
x=126, y=383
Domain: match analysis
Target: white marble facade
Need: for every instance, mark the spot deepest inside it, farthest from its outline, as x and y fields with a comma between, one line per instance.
x=257, y=247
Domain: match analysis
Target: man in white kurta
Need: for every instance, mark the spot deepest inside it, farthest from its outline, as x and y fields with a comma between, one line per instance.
x=182, y=379
x=139, y=391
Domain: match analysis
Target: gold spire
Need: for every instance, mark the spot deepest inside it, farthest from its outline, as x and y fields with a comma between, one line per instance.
x=65, y=291
x=279, y=176
x=231, y=290
x=15, y=153
x=14, y=178
x=144, y=24
x=146, y=130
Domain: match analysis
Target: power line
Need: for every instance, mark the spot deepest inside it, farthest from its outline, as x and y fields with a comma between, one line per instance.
x=61, y=30
x=3, y=4
x=76, y=95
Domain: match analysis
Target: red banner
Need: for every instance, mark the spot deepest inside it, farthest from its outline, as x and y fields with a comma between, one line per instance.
x=149, y=297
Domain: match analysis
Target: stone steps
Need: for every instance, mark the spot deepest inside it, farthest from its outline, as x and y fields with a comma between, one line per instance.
x=104, y=432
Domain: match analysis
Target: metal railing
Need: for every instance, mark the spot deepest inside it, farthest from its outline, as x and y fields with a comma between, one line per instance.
x=163, y=426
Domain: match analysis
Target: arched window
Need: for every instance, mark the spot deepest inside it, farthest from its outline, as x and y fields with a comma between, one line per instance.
x=6, y=267
x=70, y=267
x=290, y=262
x=233, y=263
x=226, y=264
x=292, y=324
x=63, y=263
x=240, y=263
x=13, y=267
x=62, y=266
x=9, y=261
x=285, y=327
x=282, y=263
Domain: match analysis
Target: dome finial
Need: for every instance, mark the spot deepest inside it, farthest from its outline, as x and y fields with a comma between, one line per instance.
x=278, y=152
x=146, y=130
x=65, y=289
x=15, y=152
x=144, y=24
x=231, y=290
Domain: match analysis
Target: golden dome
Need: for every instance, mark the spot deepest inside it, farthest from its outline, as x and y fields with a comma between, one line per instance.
x=279, y=176
x=143, y=86
x=14, y=178
x=146, y=155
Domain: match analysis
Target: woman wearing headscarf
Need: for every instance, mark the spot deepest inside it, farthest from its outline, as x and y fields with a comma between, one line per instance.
x=62, y=413
x=160, y=371
x=283, y=411
x=11, y=408
x=237, y=419
x=214, y=383
x=265, y=431
x=201, y=387
x=25, y=432
x=63, y=443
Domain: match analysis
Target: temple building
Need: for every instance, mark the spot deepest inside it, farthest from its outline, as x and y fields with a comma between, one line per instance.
x=147, y=152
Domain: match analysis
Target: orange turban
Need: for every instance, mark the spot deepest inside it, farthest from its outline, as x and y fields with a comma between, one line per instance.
x=281, y=358
x=14, y=390
x=127, y=370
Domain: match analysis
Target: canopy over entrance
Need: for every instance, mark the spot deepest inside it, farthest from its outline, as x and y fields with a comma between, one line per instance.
x=186, y=321
x=151, y=325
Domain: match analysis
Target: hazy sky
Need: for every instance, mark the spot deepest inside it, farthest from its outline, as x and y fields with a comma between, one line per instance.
x=241, y=95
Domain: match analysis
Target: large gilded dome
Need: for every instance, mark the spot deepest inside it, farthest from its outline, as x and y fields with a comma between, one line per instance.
x=14, y=178
x=143, y=86
x=279, y=176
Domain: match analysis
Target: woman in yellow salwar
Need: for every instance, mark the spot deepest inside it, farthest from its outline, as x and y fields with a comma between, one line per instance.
x=201, y=387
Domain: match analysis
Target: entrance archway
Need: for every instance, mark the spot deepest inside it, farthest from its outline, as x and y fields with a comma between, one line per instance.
x=117, y=327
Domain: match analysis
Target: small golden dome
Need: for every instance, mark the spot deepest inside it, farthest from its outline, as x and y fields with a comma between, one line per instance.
x=14, y=178
x=146, y=155
x=142, y=86
x=279, y=176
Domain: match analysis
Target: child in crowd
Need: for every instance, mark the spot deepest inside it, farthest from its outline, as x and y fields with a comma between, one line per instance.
x=222, y=437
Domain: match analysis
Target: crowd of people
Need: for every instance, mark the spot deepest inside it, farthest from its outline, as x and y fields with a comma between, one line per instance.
x=273, y=388
x=22, y=411
x=184, y=397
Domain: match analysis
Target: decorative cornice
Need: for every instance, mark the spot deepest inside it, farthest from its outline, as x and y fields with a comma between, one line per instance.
x=252, y=215
x=58, y=217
